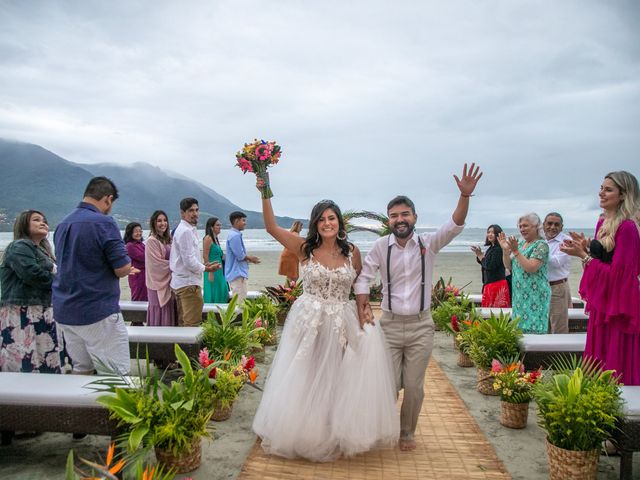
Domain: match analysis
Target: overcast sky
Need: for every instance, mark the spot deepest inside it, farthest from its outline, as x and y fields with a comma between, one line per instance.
x=368, y=99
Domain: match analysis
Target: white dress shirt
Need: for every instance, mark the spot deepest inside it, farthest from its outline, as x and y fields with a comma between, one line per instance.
x=406, y=271
x=559, y=262
x=184, y=261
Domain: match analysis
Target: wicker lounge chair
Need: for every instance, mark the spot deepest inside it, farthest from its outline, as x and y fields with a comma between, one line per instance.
x=539, y=350
x=51, y=403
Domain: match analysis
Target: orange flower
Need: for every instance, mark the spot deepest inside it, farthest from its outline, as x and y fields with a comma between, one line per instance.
x=253, y=374
x=227, y=356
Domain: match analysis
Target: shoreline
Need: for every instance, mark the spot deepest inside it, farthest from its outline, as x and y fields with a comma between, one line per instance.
x=461, y=267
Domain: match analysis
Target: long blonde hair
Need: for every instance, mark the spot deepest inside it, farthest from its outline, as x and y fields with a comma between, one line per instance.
x=629, y=208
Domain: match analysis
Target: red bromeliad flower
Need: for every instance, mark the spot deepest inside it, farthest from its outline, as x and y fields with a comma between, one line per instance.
x=454, y=323
x=247, y=363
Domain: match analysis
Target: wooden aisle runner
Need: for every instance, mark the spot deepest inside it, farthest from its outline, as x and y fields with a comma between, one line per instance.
x=450, y=446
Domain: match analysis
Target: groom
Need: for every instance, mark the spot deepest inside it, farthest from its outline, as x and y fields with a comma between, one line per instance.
x=405, y=261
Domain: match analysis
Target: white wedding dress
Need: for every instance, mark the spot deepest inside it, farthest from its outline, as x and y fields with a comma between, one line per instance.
x=330, y=391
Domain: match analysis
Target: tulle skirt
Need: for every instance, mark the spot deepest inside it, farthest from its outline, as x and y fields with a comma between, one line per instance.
x=330, y=391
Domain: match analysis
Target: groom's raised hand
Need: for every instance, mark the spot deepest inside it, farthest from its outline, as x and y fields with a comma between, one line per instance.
x=467, y=184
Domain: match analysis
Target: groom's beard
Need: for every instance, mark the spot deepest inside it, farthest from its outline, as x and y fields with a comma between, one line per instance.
x=402, y=232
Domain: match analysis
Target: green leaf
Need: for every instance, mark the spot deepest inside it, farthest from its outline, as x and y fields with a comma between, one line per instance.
x=136, y=436
x=70, y=473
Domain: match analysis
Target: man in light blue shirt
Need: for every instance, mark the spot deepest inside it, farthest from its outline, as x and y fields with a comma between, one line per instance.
x=236, y=268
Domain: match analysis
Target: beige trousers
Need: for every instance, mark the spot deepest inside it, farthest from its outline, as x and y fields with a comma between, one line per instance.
x=190, y=302
x=559, y=308
x=238, y=286
x=410, y=341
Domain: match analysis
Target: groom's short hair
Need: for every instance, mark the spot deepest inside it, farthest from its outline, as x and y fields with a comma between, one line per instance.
x=401, y=200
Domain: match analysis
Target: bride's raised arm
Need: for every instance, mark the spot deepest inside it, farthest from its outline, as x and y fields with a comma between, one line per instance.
x=286, y=238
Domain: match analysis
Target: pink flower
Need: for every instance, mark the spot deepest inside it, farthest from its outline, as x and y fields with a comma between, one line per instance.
x=258, y=322
x=245, y=165
x=495, y=366
x=203, y=357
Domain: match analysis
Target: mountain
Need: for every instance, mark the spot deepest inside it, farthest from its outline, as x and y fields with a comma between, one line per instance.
x=33, y=177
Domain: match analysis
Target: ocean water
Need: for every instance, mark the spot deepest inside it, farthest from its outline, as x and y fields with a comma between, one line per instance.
x=258, y=240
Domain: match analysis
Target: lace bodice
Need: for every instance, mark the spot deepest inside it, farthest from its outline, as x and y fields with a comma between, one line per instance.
x=326, y=283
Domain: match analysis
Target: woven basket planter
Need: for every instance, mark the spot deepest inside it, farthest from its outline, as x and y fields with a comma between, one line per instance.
x=273, y=340
x=258, y=354
x=464, y=360
x=514, y=415
x=282, y=316
x=572, y=465
x=220, y=413
x=188, y=461
x=485, y=382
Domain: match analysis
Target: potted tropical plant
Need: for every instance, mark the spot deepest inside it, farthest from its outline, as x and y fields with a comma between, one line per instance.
x=113, y=467
x=463, y=337
x=171, y=419
x=227, y=331
x=442, y=315
x=495, y=337
x=227, y=380
x=515, y=388
x=284, y=296
x=264, y=313
x=578, y=407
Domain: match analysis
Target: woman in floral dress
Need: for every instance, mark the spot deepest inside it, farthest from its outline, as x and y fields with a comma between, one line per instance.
x=527, y=260
x=28, y=333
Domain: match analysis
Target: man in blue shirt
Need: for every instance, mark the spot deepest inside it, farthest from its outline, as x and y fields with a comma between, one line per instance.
x=91, y=259
x=236, y=268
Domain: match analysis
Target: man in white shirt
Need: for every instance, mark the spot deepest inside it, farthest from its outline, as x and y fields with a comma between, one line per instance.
x=405, y=262
x=186, y=267
x=557, y=274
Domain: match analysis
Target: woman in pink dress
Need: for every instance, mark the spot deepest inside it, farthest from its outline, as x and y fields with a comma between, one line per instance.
x=135, y=250
x=162, y=305
x=610, y=280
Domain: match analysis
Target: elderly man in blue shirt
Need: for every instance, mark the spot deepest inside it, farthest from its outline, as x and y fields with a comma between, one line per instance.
x=236, y=269
x=91, y=259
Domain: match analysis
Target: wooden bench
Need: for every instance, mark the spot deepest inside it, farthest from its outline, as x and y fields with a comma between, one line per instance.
x=539, y=350
x=627, y=437
x=160, y=341
x=43, y=402
x=577, y=318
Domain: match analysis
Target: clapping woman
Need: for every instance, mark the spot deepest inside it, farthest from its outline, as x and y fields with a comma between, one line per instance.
x=527, y=260
x=610, y=280
x=28, y=333
x=162, y=304
x=216, y=289
x=495, y=290
x=135, y=249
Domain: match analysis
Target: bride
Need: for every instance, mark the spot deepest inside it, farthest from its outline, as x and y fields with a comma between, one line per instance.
x=330, y=390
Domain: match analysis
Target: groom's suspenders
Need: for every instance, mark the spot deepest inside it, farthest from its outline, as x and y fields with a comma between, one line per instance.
x=422, y=252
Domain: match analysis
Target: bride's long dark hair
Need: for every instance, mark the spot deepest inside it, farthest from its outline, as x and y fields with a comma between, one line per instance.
x=314, y=240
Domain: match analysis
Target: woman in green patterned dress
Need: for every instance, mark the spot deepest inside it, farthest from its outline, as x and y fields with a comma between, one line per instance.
x=527, y=260
x=215, y=288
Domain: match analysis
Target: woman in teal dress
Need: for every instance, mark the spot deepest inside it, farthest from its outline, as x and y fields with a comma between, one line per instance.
x=215, y=288
x=527, y=260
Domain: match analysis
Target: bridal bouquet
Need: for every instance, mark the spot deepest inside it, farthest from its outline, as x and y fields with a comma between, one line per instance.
x=256, y=157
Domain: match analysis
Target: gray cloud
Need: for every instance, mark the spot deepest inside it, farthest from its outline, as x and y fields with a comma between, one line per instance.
x=367, y=99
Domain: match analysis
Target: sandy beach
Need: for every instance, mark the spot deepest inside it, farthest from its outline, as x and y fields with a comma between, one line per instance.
x=461, y=267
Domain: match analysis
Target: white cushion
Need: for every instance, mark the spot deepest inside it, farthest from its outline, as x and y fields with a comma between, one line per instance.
x=131, y=306
x=45, y=389
x=566, y=342
x=164, y=334
x=631, y=397
x=574, y=313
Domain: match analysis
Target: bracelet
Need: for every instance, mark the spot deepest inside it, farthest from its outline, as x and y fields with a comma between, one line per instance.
x=586, y=260
x=465, y=196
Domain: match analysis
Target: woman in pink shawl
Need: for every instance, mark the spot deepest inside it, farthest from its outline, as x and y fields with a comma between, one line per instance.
x=135, y=249
x=610, y=280
x=162, y=304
